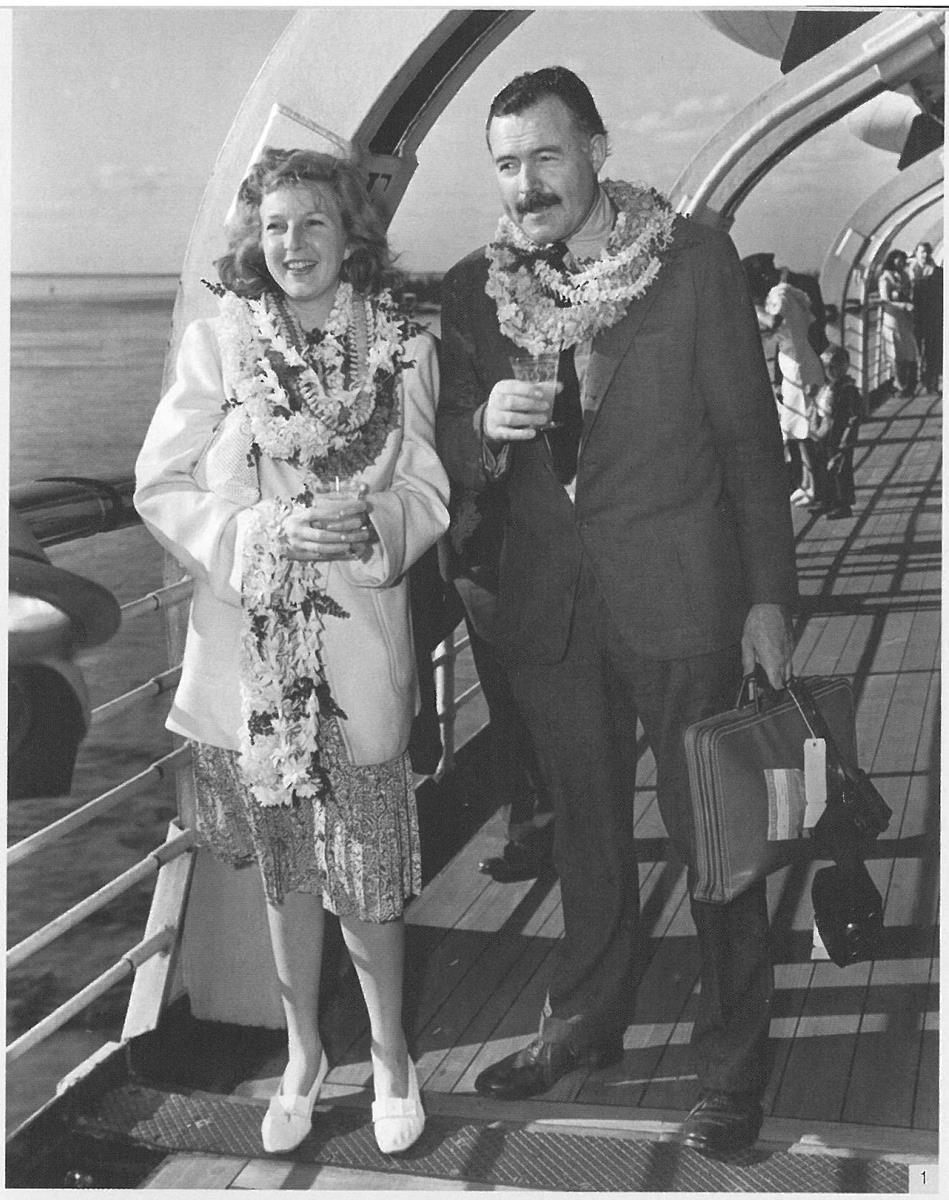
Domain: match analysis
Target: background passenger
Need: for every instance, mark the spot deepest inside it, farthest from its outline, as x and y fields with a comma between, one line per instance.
x=927, y=279
x=838, y=406
x=801, y=375
x=899, y=341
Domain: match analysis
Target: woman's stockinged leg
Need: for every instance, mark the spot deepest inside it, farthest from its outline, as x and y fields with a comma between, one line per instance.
x=296, y=935
x=378, y=954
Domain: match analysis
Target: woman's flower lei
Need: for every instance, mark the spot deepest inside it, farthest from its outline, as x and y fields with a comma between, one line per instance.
x=543, y=308
x=328, y=414
x=295, y=399
x=284, y=691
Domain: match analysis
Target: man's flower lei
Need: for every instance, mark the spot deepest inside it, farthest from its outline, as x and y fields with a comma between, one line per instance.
x=297, y=407
x=542, y=308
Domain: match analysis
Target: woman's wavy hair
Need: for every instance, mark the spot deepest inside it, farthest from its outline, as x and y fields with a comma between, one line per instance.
x=243, y=268
x=892, y=260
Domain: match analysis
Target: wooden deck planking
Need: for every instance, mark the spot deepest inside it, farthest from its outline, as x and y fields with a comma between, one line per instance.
x=923, y=647
x=457, y=886
x=886, y=1055
x=896, y=754
x=875, y=695
x=792, y=983
x=926, y=1099
x=510, y=1015
x=816, y=1074
x=281, y=1175
x=488, y=989
x=206, y=1172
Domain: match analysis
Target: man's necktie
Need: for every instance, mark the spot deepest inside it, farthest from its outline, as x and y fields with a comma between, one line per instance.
x=564, y=441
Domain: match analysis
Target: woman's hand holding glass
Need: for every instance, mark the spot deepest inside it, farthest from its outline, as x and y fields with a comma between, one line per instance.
x=334, y=525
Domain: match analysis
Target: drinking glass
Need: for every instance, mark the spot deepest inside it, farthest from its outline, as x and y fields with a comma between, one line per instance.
x=342, y=492
x=540, y=368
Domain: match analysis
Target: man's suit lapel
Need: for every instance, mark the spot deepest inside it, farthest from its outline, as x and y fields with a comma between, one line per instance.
x=609, y=349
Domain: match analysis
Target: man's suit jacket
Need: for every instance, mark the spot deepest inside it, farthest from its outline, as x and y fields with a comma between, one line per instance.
x=681, y=498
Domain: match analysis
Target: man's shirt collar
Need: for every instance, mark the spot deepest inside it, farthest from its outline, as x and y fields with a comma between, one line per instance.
x=590, y=239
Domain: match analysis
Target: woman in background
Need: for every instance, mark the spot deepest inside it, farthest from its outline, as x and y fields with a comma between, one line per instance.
x=899, y=341
x=789, y=311
x=290, y=468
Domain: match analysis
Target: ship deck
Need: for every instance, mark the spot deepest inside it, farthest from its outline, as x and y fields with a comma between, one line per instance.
x=855, y=1081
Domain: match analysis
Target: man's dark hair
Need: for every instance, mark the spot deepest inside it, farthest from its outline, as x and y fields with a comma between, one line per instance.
x=530, y=88
x=761, y=274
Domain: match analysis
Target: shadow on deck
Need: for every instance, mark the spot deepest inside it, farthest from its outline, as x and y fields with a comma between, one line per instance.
x=854, y=1090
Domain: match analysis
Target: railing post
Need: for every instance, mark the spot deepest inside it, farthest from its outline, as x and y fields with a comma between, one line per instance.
x=865, y=373
x=152, y=983
x=445, y=700
x=879, y=349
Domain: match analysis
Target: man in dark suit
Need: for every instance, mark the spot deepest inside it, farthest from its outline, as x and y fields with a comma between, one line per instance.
x=647, y=558
x=926, y=275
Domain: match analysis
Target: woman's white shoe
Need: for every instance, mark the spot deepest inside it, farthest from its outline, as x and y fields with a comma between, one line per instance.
x=288, y=1119
x=398, y=1122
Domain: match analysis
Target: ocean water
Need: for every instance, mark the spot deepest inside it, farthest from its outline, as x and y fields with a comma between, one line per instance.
x=86, y=364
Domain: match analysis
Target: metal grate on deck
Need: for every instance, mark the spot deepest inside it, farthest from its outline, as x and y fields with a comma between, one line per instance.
x=501, y=1154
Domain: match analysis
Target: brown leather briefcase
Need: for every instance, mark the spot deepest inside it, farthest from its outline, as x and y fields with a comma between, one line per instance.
x=746, y=777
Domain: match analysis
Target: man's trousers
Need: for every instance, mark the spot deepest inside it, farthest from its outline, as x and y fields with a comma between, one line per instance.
x=582, y=713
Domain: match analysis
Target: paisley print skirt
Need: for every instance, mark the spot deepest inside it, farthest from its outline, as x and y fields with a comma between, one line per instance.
x=358, y=849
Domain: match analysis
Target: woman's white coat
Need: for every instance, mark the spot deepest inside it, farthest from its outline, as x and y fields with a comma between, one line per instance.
x=369, y=658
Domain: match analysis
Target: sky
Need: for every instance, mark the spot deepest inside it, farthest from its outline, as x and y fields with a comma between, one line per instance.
x=118, y=113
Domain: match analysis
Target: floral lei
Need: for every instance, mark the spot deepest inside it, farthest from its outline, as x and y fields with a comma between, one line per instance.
x=543, y=307
x=326, y=406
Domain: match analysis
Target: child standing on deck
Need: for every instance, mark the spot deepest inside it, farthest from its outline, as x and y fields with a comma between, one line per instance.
x=837, y=411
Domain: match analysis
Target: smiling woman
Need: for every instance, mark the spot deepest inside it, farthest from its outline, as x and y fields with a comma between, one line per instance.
x=298, y=684
x=303, y=221
x=304, y=246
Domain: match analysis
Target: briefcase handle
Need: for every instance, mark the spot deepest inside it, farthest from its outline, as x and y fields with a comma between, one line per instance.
x=753, y=685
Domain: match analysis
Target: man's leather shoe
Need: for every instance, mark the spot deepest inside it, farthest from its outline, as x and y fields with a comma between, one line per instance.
x=723, y=1123
x=538, y=1066
x=527, y=858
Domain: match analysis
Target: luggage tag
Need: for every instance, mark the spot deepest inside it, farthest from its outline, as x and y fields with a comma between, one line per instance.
x=815, y=780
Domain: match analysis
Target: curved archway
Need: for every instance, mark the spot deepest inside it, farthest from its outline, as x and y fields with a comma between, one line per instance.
x=886, y=52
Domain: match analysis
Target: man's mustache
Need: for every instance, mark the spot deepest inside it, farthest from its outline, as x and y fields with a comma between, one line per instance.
x=536, y=202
